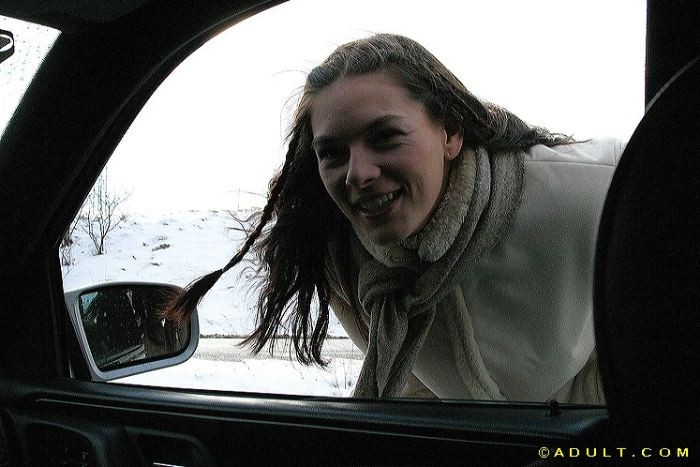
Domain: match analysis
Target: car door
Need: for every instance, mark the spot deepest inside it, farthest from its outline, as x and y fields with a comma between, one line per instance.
x=101, y=70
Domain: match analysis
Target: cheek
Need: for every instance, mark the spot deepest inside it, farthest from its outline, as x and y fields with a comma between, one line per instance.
x=427, y=178
x=333, y=182
x=419, y=172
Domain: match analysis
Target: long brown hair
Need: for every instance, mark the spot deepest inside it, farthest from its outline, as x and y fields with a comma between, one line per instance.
x=295, y=226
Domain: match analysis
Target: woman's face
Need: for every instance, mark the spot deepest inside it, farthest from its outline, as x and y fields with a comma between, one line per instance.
x=382, y=158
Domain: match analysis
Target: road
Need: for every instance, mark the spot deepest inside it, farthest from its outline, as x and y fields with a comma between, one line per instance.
x=227, y=349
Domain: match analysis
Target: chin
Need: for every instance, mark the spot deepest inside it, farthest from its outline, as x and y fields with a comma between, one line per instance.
x=384, y=237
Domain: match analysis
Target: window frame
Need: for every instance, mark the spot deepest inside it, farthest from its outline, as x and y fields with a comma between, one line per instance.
x=50, y=379
x=108, y=143
x=177, y=58
x=38, y=389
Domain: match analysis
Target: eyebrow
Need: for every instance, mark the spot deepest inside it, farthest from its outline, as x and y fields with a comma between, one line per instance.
x=372, y=126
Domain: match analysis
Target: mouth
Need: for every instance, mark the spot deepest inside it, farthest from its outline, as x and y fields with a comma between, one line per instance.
x=377, y=205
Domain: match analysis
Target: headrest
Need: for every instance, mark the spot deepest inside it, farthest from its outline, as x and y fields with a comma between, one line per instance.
x=647, y=277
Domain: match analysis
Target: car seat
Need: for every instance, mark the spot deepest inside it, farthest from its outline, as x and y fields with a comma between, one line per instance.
x=647, y=275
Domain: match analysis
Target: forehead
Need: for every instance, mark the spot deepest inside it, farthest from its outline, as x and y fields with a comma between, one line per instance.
x=352, y=102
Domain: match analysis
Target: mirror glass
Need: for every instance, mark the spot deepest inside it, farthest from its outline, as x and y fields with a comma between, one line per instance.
x=122, y=324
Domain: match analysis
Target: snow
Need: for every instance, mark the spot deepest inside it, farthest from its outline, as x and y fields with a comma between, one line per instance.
x=176, y=248
x=266, y=376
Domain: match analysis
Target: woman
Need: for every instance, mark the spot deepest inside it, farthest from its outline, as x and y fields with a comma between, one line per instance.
x=453, y=241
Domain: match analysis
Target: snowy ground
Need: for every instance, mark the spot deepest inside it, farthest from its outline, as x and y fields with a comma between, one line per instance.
x=177, y=248
x=266, y=376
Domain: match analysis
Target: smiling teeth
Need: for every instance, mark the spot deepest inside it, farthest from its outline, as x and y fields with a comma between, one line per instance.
x=377, y=203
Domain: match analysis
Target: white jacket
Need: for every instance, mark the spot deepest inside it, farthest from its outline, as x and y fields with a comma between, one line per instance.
x=522, y=323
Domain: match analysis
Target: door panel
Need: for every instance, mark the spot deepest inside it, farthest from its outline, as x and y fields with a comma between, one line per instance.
x=123, y=425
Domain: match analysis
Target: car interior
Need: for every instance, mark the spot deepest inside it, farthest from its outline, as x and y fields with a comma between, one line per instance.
x=106, y=63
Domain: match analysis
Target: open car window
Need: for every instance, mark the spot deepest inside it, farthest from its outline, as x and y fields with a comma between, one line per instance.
x=23, y=47
x=198, y=158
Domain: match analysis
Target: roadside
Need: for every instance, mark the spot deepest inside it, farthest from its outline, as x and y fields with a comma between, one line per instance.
x=229, y=350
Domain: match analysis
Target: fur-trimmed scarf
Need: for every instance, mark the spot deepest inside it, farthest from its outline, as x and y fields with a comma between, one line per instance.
x=399, y=285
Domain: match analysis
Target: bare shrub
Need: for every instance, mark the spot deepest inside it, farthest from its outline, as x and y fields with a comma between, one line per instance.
x=101, y=214
x=67, y=242
x=245, y=217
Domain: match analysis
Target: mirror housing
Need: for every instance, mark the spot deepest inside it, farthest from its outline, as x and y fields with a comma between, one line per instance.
x=120, y=331
x=7, y=45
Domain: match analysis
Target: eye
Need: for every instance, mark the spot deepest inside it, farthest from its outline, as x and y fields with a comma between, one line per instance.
x=387, y=138
x=329, y=153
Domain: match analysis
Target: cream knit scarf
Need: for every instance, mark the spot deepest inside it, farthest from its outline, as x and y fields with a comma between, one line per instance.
x=400, y=285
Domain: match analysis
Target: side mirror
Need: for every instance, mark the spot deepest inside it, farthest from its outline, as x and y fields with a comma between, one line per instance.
x=7, y=45
x=121, y=333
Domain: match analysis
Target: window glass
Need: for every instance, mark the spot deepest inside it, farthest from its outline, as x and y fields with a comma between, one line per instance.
x=31, y=44
x=200, y=155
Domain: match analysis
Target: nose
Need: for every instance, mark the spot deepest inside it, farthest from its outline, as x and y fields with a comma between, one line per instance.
x=362, y=168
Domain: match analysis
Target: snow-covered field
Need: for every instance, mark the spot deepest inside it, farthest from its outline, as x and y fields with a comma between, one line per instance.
x=177, y=248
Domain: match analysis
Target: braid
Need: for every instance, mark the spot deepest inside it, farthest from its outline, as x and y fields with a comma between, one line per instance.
x=292, y=259
x=182, y=306
x=264, y=219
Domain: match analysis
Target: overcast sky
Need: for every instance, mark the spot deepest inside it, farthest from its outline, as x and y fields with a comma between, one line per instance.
x=215, y=126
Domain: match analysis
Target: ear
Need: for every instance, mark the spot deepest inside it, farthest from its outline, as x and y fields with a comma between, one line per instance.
x=454, y=137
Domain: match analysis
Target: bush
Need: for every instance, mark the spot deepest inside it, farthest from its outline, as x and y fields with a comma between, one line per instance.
x=100, y=214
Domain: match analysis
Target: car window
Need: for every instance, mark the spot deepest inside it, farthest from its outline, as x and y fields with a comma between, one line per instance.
x=24, y=46
x=195, y=164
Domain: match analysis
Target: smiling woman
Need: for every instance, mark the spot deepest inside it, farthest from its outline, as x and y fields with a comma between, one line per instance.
x=382, y=159
x=452, y=240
